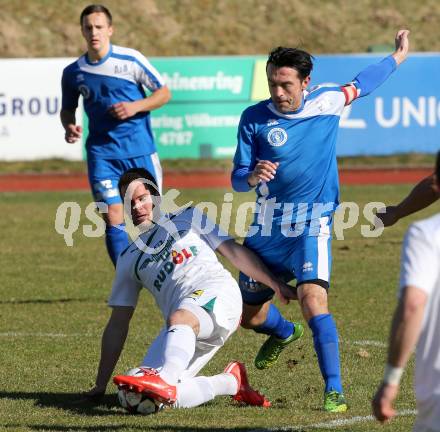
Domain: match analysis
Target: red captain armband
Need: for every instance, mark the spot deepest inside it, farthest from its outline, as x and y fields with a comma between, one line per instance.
x=350, y=92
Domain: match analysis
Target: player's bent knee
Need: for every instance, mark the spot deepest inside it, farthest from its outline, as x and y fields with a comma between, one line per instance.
x=312, y=306
x=313, y=299
x=184, y=317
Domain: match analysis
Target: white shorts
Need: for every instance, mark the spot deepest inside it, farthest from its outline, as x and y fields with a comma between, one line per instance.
x=221, y=299
x=428, y=415
x=421, y=428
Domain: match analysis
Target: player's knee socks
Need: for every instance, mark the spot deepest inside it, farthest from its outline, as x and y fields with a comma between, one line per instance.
x=180, y=346
x=325, y=339
x=276, y=324
x=193, y=392
x=116, y=240
x=154, y=357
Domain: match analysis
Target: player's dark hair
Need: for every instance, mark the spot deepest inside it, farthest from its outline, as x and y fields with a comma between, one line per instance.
x=295, y=58
x=138, y=174
x=96, y=8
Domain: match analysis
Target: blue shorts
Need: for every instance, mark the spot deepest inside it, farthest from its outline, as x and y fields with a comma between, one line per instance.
x=305, y=257
x=104, y=175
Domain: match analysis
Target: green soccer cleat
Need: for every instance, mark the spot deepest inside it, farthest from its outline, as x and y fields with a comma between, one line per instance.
x=334, y=402
x=271, y=349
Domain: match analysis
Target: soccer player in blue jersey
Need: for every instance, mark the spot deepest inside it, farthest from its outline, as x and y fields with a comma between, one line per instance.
x=112, y=82
x=286, y=151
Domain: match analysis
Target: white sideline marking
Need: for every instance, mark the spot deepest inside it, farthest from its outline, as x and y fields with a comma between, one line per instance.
x=370, y=343
x=332, y=424
x=357, y=419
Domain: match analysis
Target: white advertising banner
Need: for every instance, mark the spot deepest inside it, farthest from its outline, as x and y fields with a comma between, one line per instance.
x=30, y=103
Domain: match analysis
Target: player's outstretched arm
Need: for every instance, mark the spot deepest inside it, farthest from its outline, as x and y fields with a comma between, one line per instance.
x=113, y=340
x=250, y=264
x=375, y=75
x=421, y=196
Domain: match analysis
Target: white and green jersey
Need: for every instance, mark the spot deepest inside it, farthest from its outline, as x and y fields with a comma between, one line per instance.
x=174, y=260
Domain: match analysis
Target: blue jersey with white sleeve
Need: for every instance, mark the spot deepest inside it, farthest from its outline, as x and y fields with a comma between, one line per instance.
x=121, y=76
x=293, y=218
x=303, y=142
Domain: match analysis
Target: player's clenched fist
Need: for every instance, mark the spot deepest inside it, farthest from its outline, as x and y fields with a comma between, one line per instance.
x=123, y=110
x=264, y=171
x=402, y=46
x=383, y=400
x=73, y=133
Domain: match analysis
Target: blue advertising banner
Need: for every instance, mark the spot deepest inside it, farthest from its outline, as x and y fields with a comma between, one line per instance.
x=401, y=116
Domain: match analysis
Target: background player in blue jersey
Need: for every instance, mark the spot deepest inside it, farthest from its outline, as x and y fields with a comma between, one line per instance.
x=112, y=81
x=286, y=150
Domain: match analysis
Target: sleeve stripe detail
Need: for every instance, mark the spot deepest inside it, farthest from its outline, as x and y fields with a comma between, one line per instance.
x=350, y=92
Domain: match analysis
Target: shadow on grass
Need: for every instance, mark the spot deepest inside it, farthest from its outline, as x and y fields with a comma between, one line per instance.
x=72, y=402
x=108, y=406
x=124, y=427
x=45, y=301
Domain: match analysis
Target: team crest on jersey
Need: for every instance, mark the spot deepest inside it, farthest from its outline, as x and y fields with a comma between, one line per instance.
x=277, y=137
x=84, y=90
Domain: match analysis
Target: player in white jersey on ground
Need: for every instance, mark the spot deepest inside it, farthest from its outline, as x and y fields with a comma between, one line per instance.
x=200, y=301
x=416, y=321
x=287, y=151
x=112, y=81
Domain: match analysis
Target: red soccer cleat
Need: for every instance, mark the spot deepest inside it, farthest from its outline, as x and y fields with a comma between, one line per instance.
x=246, y=394
x=150, y=383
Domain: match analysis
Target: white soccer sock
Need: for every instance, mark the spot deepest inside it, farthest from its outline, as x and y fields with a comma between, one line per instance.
x=193, y=392
x=179, y=350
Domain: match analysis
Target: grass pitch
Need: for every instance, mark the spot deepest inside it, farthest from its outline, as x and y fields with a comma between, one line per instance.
x=53, y=311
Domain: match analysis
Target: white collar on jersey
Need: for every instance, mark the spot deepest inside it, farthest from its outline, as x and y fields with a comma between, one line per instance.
x=291, y=114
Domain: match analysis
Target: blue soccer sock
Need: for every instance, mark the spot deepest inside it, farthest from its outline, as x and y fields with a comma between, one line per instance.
x=276, y=324
x=325, y=339
x=116, y=240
